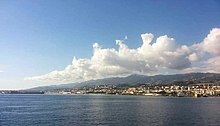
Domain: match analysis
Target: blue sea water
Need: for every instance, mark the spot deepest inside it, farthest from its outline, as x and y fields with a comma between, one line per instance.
x=107, y=110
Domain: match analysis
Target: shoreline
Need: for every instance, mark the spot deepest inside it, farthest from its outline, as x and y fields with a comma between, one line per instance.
x=154, y=96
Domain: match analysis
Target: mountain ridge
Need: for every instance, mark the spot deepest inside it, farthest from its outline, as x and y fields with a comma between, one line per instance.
x=135, y=79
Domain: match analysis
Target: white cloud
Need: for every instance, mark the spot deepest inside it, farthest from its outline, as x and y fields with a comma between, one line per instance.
x=193, y=57
x=211, y=43
x=1, y=71
x=212, y=66
x=150, y=58
x=209, y=46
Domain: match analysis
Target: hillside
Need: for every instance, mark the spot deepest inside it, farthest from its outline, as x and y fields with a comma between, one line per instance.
x=178, y=79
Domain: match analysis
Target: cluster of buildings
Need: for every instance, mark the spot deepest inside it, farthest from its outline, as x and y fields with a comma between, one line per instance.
x=148, y=90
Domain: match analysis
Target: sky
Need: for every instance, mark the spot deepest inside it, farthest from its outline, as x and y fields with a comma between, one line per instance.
x=44, y=42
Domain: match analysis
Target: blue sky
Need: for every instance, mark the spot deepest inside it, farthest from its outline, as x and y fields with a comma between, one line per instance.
x=37, y=37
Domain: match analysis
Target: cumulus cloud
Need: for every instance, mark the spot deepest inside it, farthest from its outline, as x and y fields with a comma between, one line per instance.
x=152, y=57
x=208, y=52
x=212, y=65
x=193, y=57
x=211, y=43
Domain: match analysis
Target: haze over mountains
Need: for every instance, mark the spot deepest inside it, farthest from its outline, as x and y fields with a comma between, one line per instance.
x=135, y=79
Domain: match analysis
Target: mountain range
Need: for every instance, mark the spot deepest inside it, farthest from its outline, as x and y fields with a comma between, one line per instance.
x=135, y=79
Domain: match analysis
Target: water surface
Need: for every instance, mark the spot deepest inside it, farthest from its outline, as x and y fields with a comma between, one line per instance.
x=107, y=110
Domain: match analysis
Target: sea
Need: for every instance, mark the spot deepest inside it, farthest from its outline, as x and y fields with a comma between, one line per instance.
x=108, y=110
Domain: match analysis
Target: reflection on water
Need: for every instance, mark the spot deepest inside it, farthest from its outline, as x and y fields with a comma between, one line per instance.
x=107, y=110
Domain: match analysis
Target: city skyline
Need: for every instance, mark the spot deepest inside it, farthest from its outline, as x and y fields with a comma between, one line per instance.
x=39, y=39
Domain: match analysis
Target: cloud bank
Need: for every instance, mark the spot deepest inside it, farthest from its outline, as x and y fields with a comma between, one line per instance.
x=155, y=56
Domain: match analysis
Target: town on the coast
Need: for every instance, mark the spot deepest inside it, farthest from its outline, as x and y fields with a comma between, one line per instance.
x=177, y=85
x=197, y=90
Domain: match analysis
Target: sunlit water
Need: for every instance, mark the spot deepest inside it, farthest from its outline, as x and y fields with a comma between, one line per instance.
x=105, y=110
